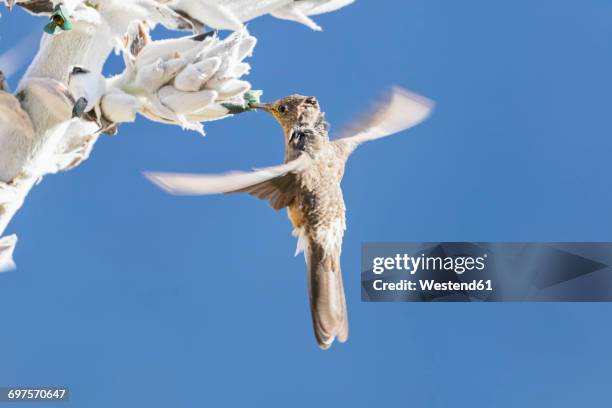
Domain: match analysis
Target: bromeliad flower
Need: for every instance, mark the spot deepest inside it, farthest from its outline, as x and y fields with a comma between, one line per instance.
x=59, y=21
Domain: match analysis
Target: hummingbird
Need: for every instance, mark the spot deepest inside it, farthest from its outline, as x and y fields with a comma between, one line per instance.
x=307, y=184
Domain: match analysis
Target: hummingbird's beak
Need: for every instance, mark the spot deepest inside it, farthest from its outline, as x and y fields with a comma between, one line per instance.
x=262, y=106
x=268, y=107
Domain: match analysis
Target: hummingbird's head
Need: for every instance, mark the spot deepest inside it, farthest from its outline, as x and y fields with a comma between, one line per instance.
x=295, y=110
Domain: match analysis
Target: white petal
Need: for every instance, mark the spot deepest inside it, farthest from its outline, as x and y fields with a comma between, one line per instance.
x=232, y=88
x=7, y=246
x=119, y=107
x=246, y=47
x=185, y=102
x=238, y=70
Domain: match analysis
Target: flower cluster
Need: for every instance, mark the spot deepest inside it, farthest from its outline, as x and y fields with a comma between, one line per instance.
x=182, y=81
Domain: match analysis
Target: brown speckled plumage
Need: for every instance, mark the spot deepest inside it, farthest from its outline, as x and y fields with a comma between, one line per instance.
x=317, y=210
x=308, y=185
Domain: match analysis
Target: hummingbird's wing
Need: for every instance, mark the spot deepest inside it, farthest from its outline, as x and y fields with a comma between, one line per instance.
x=401, y=110
x=275, y=184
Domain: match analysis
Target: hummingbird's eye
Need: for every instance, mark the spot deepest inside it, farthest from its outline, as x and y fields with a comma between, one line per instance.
x=282, y=109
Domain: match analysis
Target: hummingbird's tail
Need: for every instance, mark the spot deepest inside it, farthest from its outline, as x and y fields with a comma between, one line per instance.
x=327, y=301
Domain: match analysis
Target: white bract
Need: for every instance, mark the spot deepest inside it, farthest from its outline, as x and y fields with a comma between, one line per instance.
x=231, y=14
x=182, y=81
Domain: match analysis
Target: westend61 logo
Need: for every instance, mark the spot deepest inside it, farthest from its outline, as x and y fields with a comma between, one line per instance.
x=433, y=272
x=414, y=264
x=485, y=271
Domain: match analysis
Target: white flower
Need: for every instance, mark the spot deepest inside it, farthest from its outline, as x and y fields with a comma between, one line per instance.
x=231, y=14
x=184, y=80
x=300, y=10
x=7, y=246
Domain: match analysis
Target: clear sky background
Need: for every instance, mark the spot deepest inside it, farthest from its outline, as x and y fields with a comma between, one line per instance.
x=133, y=297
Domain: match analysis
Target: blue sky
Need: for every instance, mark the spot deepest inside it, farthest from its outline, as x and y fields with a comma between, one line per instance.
x=136, y=298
